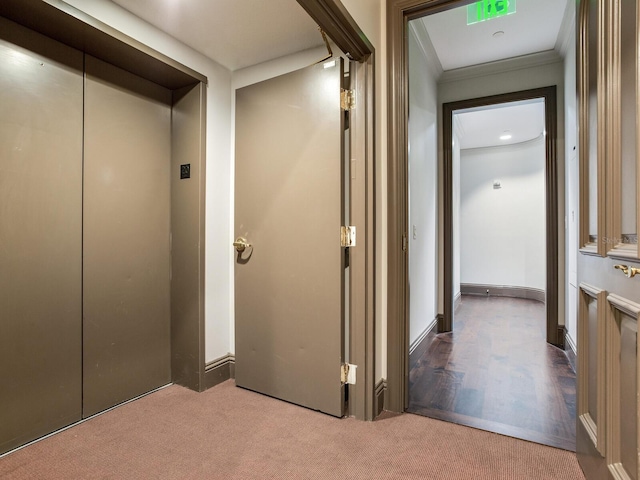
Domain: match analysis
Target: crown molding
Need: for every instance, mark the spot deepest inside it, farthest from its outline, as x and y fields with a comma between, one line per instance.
x=501, y=66
x=420, y=33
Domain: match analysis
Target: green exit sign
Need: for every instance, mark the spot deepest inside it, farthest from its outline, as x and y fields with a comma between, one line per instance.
x=488, y=9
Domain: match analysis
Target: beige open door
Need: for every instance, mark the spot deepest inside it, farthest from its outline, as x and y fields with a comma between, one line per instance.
x=289, y=284
x=609, y=295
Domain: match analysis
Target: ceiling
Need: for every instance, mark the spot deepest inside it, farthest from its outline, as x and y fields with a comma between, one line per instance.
x=234, y=33
x=522, y=121
x=534, y=27
x=241, y=33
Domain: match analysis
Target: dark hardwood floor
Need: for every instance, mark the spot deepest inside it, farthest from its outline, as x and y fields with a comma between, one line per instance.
x=496, y=372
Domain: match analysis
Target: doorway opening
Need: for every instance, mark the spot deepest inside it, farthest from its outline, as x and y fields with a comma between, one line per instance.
x=491, y=367
x=452, y=88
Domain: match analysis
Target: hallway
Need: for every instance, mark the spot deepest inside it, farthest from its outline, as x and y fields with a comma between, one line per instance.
x=496, y=372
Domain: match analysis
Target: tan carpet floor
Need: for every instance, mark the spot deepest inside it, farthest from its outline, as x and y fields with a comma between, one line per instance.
x=230, y=433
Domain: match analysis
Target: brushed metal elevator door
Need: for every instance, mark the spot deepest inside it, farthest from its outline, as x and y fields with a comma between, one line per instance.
x=288, y=204
x=40, y=235
x=126, y=284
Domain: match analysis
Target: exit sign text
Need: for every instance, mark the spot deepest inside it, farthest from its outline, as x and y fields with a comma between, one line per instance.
x=488, y=9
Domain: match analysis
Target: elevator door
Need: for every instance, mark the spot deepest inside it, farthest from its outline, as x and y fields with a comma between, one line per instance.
x=126, y=270
x=40, y=235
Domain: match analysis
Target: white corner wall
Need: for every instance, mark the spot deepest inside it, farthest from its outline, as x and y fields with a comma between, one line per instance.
x=218, y=250
x=423, y=175
x=502, y=230
x=572, y=193
x=455, y=181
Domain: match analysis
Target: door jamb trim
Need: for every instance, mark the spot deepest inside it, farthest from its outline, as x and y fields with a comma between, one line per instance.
x=399, y=12
x=551, y=197
x=332, y=17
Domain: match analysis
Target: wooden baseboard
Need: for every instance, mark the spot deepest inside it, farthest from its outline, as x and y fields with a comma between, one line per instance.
x=503, y=291
x=418, y=347
x=379, y=400
x=570, y=344
x=570, y=349
x=219, y=371
x=422, y=335
x=562, y=333
x=457, y=301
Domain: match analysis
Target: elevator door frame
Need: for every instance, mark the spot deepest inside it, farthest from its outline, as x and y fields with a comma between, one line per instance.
x=65, y=24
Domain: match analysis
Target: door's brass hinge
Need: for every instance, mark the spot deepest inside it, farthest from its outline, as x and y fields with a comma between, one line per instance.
x=347, y=236
x=404, y=243
x=347, y=99
x=348, y=373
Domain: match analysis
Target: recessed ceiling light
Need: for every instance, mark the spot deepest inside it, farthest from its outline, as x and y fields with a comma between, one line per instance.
x=505, y=136
x=497, y=34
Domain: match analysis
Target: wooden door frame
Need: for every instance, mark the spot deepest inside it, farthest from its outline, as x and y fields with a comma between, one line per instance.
x=332, y=17
x=551, y=197
x=399, y=13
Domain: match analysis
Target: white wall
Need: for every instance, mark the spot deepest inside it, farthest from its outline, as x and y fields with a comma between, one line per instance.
x=502, y=230
x=423, y=175
x=218, y=251
x=572, y=193
x=455, y=181
x=541, y=70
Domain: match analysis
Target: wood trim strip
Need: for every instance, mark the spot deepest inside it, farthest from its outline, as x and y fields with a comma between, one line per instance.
x=398, y=13
x=613, y=202
x=362, y=258
x=457, y=301
x=590, y=290
x=602, y=147
x=380, y=393
x=582, y=81
x=626, y=306
x=416, y=343
x=617, y=306
x=219, y=371
x=634, y=239
x=551, y=192
x=503, y=291
x=596, y=431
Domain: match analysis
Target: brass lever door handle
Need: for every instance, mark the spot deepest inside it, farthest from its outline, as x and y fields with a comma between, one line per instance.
x=630, y=272
x=241, y=244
